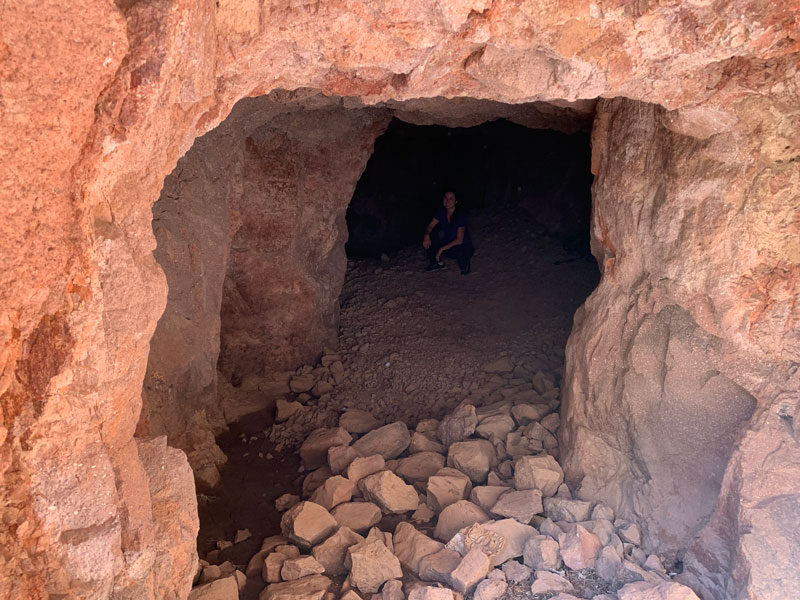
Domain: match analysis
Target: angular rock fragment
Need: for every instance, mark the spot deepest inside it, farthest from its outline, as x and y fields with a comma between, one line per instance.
x=363, y=466
x=273, y=562
x=315, y=479
x=420, y=466
x=389, y=492
x=566, y=509
x=486, y=496
x=358, y=516
x=302, y=566
x=457, y=516
x=528, y=413
x=520, y=505
x=372, y=564
x=472, y=569
x=579, y=548
x=307, y=524
x=334, y=491
x=421, y=442
x=340, y=457
x=429, y=592
x=547, y=582
x=438, y=566
x=474, y=458
x=392, y=590
x=514, y=534
x=629, y=532
x=411, y=546
x=445, y=489
x=516, y=572
x=608, y=564
x=256, y=563
x=656, y=591
x=220, y=589
x=332, y=552
x=497, y=426
x=458, y=425
x=313, y=587
x=389, y=441
x=538, y=472
x=354, y=420
x=500, y=365
x=314, y=450
x=541, y=553
x=490, y=590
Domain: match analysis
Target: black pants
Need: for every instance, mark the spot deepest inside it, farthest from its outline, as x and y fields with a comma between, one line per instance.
x=461, y=253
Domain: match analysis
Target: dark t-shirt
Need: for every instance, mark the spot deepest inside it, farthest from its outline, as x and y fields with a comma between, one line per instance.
x=450, y=230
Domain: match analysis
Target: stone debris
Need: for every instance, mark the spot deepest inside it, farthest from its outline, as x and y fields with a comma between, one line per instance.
x=518, y=524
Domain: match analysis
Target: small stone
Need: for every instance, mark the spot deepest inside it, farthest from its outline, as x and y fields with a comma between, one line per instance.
x=334, y=491
x=474, y=567
x=241, y=535
x=551, y=422
x=389, y=441
x=358, y=516
x=430, y=592
x=340, y=457
x=542, y=553
x=579, y=548
x=314, y=450
x=528, y=413
x=491, y=589
x=457, y=516
x=427, y=426
x=302, y=566
x=516, y=572
x=520, y=505
x=210, y=573
x=547, y=527
x=363, y=466
x=313, y=587
x=315, y=479
x=307, y=524
x=500, y=365
x=547, y=583
x=372, y=564
x=656, y=591
x=629, y=532
x=421, y=442
x=256, y=563
x=224, y=545
x=284, y=410
x=411, y=546
x=420, y=466
x=458, y=425
x=389, y=492
x=332, y=552
x=423, y=514
x=438, y=566
x=271, y=569
x=515, y=535
x=538, y=472
x=566, y=509
x=474, y=458
x=653, y=563
x=357, y=421
x=608, y=564
x=486, y=496
x=498, y=426
x=392, y=590
x=603, y=511
x=220, y=589
x=321, y=388
x=447, y=487
x=301, y=383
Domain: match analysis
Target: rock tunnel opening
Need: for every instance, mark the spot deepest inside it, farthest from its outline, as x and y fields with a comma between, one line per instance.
x=270, y=333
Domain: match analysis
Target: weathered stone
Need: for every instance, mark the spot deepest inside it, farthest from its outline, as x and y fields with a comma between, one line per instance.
x=302, y=566
x=392, y=590
x=566, y=509
x=439, y=565
x=285, y=502
x=421, y=442
x=354, y=420
x=284, y=410
x=528, y=413
x=411, y=546
x=579, y=548
x=520, y=505
x=498, y=426
x=516, y=572
x=307, y=524
x=472, y=569
x=551, y=422
x=420, y=466
x=608, y=564
x=358, y=516
x=474, y=458
x=313, y=587
x=333, y=492
x=372, y=564
x=656, y=591
x=629, y=532
x=458, y=425
x=332, y=552
x=363, y=466
x=273, y=562
x=541, y=553
x=457, y=516
x=547, y=582
x=313, y=480
x=389, y=492
x=500, y=365
x=547, y=527
x=486, y=496
x=490, y=590
x=514, y=534
x=538, y=472
x=256, y=562
x=220, y=589
x=431, y=593
x=389, y=441
x=340, y=457
x=314, y=450
x=444, y=490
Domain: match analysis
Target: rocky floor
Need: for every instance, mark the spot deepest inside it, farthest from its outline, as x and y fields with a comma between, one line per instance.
x=423, y=448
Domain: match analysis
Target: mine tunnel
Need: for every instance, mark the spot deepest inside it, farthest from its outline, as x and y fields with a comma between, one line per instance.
x=299, y=306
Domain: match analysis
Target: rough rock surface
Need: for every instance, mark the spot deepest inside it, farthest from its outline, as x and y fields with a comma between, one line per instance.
x=693, y=227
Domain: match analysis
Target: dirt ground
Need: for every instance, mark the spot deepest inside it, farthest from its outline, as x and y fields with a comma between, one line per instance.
x=413, y=345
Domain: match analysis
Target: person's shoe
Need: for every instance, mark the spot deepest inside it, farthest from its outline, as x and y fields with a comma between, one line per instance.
x=467, y=268
x=434, y=267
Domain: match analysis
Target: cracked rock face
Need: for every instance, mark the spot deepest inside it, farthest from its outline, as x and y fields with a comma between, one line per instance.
x=694, y=224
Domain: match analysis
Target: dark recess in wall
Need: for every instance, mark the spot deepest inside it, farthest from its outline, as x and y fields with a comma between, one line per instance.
x=546, y=174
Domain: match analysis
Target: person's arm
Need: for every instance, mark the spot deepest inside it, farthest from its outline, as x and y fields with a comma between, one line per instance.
x=426, y=239
x=456, y=242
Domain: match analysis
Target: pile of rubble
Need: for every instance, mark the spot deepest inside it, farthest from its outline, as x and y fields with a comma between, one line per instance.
x=482, y=508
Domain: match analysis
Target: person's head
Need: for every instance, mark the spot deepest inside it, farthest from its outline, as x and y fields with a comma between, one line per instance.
x=449, y=201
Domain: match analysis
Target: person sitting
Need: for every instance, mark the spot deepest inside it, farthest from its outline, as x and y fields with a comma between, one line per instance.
x=451, y=239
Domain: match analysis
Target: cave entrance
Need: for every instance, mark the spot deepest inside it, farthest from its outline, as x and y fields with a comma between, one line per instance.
x=251, y=229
